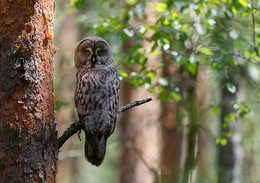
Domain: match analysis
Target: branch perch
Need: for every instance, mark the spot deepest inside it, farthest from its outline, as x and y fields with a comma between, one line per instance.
x=76, y=126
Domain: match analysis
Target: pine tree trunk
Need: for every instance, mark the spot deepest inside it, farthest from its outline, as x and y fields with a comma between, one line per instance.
x=28, y=137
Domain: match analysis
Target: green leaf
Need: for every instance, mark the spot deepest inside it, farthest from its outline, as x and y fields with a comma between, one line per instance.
x=160, y=7
x=205, y=50
x=242, y=108
x=155, y=37
x=222, y=141
x=193, y=68
x=131, y=2
x=129, y=32
x=233, y=62
x=156, y=52
x=176, y=96
x=77, y=3
x=258, y=97
x=123, y=74
x=230, y=116
x=151, y=74
x=165, y=41
x=243, y=2
x=215, y=109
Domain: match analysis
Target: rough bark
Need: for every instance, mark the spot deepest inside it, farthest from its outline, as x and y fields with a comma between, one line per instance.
x=28, y=137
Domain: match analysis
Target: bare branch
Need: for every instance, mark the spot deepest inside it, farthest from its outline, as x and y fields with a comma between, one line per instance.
x=76, y=126
x=134, y=104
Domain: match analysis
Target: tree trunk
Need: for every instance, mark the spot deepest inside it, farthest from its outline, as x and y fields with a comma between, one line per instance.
x=172, y=138
x=231, y=155
x=28, y=137
x=191, y=126
x=140, y=143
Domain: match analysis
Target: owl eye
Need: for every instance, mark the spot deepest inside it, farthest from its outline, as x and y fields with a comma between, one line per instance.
x=87, y=52
x=99, y=52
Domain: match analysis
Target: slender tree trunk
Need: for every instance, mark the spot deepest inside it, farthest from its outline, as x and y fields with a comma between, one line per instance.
x=28, y=137
x=188, y=91
x=226, y=153
x=231, y=154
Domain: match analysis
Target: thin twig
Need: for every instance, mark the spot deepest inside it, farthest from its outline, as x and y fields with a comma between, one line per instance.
x=76, y=126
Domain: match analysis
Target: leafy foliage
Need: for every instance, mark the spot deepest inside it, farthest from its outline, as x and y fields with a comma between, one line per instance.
x=187, y=33
x=223, y=35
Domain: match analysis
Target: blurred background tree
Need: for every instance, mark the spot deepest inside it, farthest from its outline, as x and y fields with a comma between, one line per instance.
x=198, y=59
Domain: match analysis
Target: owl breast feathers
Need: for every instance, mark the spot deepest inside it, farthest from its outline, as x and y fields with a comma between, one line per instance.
x=96, y=95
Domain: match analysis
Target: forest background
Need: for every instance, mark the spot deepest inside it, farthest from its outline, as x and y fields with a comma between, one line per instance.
x=199, y=61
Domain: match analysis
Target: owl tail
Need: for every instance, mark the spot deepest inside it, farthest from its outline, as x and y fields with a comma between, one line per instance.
x=95, y=149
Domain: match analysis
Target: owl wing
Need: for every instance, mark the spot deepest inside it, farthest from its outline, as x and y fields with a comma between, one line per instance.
x=109, y=94
x=113, y=89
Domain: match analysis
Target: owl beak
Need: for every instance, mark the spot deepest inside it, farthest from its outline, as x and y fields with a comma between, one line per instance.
x=93, y=59
x=93, y=63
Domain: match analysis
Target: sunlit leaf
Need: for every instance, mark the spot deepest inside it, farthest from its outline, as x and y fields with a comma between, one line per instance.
x=200, y=29
x=233, y=62
x=230, y=116
x=141, y=29
x=231, y=88
x=129, y=32
x=123, y=74
x=222, y=141
x=77, y=3
x=131, y=2
x=243, y=2
x=176, y=96
x=205, y=50
x=156, y=52
x=160, y=7
x=258, y=96
x=215, y=109
x=139, y=10
x=233, y=34
x=166, y=47
x=193, y=68
x=163, y=81
x=151, y=73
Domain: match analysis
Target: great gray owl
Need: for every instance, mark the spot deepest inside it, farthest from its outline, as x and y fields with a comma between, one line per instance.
x=96, y=95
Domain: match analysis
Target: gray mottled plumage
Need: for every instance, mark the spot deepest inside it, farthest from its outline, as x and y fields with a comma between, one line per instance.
x=96, y=95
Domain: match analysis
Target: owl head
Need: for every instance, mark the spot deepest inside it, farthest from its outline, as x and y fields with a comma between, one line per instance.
x=93, y=52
